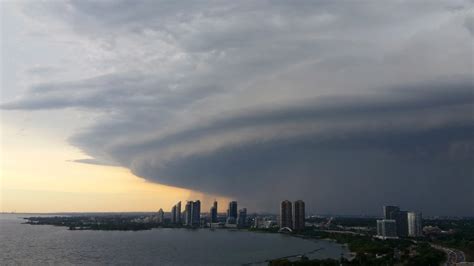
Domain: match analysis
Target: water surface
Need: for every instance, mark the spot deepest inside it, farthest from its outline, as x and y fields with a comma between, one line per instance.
x=45, y=244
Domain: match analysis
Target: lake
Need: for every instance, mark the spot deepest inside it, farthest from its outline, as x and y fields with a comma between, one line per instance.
x=45, y=244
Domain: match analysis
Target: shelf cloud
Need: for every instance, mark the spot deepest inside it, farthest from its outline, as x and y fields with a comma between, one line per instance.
x=347, y=105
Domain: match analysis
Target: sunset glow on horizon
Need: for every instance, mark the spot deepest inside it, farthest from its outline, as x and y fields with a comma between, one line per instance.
x=38, y=175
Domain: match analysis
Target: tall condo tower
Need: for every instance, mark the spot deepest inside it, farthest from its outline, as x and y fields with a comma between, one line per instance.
x=178, y=213
x=389, y=212
x=213, y=212
x=173, y=214
x=299, y=215
x=188, y=214
x=196, y=213
x=286, y=214
x=232, y=212
x=400, y=217
x=415, y=223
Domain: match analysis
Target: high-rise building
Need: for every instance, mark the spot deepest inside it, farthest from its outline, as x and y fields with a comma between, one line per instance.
x=386, y=228
x=196, y=213
x=389, y=212
x=213, y=212
x=232, y=213
x=415, y=223
x=400, y=217
x=242, y=218
x=173, y=214
x=232, y=210
x=299, y=215
x=187, y=213
x=286, y=214
x=178, y=213
x=160, y=216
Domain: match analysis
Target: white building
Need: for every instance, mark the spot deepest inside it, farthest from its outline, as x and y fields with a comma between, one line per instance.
x=415, y=224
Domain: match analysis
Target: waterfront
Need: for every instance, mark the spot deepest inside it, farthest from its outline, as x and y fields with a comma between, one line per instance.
x=45, y=244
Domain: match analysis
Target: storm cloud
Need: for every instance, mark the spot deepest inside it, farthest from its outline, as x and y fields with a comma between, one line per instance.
x=346, y=105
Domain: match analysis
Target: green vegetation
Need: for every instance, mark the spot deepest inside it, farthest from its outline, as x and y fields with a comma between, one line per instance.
x=303, y=262
x=426, y=255
x=366, y=222
x=362, y=243
x=346, y=221
x=458, y=234
x=423, y=255
x=372, y=251
x=107, y=223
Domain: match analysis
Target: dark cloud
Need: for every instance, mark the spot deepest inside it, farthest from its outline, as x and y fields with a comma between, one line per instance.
x=342, y=175
x=410, y=146
x=346, y=105
x=91, y=161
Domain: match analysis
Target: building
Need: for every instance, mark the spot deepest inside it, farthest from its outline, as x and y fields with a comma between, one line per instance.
x=389, y=212
x=196, y=213
x=299, y=215
x=286, y=214
x=213, y=212
x=387, y=228
x=400, y=217
x=160, y=216
x=402, y=223
x=415, y=223
x=270, y=224
x=187, y=213
x=242, y=218
x=232, y=210
x=178, y=213
x=173, y=214
x=257, y=222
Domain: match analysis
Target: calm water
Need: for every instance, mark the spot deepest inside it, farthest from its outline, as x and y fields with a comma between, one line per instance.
x=44, y=244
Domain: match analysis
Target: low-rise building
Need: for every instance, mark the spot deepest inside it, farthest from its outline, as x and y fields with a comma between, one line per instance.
x=387, y=229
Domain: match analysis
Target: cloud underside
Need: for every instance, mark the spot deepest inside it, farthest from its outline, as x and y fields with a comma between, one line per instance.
x=268, y=102
x=347, y=153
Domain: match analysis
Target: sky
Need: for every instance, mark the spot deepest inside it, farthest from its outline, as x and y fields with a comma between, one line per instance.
x=135, y=105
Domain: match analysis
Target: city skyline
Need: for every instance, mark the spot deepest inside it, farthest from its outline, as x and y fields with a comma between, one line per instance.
x=291, y=219
x=157, y=132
